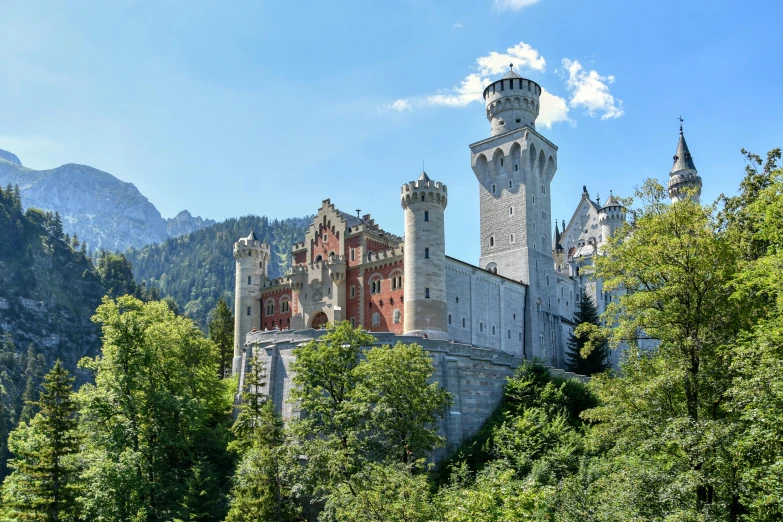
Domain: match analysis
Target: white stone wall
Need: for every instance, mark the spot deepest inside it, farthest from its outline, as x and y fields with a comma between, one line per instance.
x=491, y=308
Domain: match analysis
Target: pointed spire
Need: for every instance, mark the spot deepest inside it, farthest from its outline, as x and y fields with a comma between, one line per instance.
x=558, y=246
x=424, y=176
x=611, y=201
x=252, y=236
x=682, y=158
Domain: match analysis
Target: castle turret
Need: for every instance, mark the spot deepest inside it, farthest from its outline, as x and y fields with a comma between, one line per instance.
x=252, y=260
x=512, y=102
x=683, y=174
x=424, y=202
x=611, y=216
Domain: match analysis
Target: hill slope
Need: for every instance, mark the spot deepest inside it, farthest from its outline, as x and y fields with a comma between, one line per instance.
x=197, y=269
x=48, y=292
x=102, y=210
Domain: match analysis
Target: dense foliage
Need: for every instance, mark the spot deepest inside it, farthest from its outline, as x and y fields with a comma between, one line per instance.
x=596, y=359
x=198, y=269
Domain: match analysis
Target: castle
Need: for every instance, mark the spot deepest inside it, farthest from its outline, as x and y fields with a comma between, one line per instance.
x=477, y=321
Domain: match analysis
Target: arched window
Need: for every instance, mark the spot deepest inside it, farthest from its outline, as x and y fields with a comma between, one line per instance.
x=481, y=327
x=284, y=304
x=270, y=307
x=318, y=258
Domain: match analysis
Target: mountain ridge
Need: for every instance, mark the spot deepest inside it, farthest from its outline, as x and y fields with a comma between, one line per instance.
x=104, y=211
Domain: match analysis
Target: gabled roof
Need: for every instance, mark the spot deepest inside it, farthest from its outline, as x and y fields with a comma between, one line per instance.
x=682, y=159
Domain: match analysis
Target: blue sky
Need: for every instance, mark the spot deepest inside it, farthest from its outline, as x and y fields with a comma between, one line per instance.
x=231, y=108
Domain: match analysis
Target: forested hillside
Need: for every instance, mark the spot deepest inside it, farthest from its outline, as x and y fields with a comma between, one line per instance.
x=198, y=268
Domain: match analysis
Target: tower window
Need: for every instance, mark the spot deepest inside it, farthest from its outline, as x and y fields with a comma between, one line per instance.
x=543, y=215
x=249, y=279
x=534, y=226
x=501, y=162
x=353, y=254
x=284, y=305
x=426, y=253
x=520, y=336
x=426, y=293
x=511, y=238
x=510, y=211
x=534, y=199
x=423, y=197
x=516, y=168
x=491, y=241
x=510, y=184
x=353, y=291
x=543, y=189
x=326, y=238
x=519, y=120
x=493, y=329
x=248, y=310
x=426, y=216
x=353, y=322
x=449, y=318
x=463, y=322
x=481, y=327
x=509, y=334
x=493, y=188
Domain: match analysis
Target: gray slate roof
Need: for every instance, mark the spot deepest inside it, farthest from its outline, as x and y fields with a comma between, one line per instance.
x=682, y=159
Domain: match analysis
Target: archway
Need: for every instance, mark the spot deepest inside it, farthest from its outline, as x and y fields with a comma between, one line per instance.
x=319, y=320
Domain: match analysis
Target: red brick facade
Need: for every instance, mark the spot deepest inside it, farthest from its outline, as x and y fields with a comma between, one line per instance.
x=385, y=302
x=277, y=298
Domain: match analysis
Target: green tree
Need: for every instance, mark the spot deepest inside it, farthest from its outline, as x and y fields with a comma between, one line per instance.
x=221, y=332
x=45, y=480
x=116, y=274
x=156, y=409
x=597, y=360
x=33, y=376
x=262, y=482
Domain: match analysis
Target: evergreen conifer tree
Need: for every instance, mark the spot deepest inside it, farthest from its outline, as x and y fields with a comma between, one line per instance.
x=43, y=485
x=221, y=332
x=33, y=375
x=57, y=226
x=598, y=359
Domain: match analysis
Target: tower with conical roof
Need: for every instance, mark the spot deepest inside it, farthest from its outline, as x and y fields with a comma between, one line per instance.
x=424, y=202
x=611, y=216
x=252, y=264
x=514, y=168
x=684, y=174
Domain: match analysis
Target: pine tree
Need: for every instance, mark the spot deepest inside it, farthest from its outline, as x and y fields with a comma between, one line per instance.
x=33, y=375
x=57, y=226
x=221, y=332
x=44, y=483
x=598, y=359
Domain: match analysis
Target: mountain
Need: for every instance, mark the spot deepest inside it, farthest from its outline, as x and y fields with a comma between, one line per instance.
x=184, y=223
x=197, y=269
x=100, y=209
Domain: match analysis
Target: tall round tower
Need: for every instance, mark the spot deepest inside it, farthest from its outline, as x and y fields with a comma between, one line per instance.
x=684, y=174
x=611, y=216
x=512, y=102
x=424, y=202
x=252, y=260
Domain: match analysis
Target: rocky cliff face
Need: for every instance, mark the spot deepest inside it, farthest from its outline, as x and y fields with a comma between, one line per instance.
x=185, y=223
x=101, y=209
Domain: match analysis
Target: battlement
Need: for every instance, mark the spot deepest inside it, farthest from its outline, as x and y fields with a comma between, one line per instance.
x=512, y=102
x=423, y=190
x=251, y=247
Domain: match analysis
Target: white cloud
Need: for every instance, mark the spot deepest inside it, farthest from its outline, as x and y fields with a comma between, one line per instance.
x=457, y=26
x=398, y=106
x=591, y=90
x=512, y=5
x=553, y=110
x=471, y=90
x=521, y=55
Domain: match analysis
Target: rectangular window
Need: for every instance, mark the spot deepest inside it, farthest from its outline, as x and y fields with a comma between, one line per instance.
x=543, y=215
x=353, y=254
x=326, y=238
x=376, y=319
x=249, y=279
x=426, y=253
x=426, y=293
x=248, y=310
x=426, y=216
x=353, y=291
x=353, y=322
